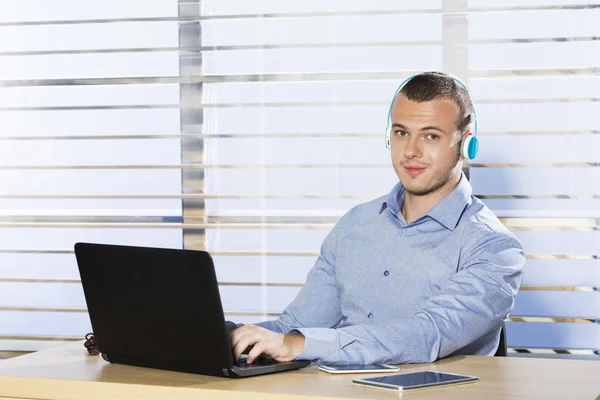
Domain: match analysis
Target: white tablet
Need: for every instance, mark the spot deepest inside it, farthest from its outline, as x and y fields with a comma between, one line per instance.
x=415, y=380
x=357, y=369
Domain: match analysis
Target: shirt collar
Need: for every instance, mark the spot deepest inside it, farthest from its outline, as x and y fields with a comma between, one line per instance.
x=447, y=212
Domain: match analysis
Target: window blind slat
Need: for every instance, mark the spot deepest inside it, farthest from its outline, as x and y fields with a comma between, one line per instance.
x=293, y=207
x=49, y=324
x=563, y=304
x=482, y=4
x=534, y=24
x=91, y=152
x=90, y=181
x=270, y=268
x=56, y=238
x=301, y=181
x=89, y=122
x=78, y=66
x=235, y=7
x=380, y=28
x=257, y=299
x=32, y=266
x=517, y=149
x=93, y=207
x=545, y=208
x=257, y=240
x=298, y=61
x=557, y=335
x=552, y=273
x=560, y=242
x=76, y=96
x=536, y=181
x=305, y=120
x=555, y=87
x=44, y=295
x=298, y=92
x=305, y=151
x=62, y=10
x=534, y=55
x=83, y=37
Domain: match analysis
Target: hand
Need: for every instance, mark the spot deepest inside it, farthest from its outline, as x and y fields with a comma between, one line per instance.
x=278, y=346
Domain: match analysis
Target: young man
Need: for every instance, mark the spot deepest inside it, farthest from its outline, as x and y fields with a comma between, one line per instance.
x=422, y=273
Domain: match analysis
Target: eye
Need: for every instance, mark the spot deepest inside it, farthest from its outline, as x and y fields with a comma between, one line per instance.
x=433, y=136
x=401, y=133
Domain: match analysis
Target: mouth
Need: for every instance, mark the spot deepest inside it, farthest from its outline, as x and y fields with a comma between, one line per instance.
x=414, y=170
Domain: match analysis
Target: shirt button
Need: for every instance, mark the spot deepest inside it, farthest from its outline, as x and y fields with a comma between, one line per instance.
x=370, y=315
x=386, y=273
x=404, y=231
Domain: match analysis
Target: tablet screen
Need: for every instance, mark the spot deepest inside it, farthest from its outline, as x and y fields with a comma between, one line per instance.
x=419, y=379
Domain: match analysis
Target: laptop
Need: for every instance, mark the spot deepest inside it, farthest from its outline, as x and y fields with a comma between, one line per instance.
x=161, y=308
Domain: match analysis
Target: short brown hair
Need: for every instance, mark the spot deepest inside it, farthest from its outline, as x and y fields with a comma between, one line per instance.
x=430, y=86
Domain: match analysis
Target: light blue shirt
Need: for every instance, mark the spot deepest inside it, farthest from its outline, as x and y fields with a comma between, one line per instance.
x=386, y=291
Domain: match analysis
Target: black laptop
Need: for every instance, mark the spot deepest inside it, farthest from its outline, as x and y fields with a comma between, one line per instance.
x=161, y=308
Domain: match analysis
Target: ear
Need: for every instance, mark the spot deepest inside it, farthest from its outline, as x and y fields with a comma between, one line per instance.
x=465, y=134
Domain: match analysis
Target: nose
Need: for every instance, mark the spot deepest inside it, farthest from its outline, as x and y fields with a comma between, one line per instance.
x=412, y=148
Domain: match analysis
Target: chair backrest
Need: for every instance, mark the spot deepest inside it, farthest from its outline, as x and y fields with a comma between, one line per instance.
x=502, y=351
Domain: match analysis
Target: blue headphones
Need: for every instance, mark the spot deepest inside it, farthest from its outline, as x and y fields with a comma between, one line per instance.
x=469, y=145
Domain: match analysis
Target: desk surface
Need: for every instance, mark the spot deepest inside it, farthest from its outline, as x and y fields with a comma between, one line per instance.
x=67, y=372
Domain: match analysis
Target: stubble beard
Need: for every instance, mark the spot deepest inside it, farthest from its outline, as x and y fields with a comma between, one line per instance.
x=440, y=183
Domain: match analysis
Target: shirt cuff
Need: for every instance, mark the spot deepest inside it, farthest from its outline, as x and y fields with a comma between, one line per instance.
x=322, y=343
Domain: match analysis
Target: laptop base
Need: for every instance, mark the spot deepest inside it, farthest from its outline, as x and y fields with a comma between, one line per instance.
x=232, y=372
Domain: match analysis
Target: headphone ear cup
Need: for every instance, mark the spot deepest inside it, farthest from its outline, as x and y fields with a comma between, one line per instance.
x=388, y=143
x=473, y=147
x=469, y=147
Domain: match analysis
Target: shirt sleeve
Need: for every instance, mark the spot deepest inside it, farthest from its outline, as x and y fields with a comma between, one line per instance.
x=318, y=302
x=469, y=305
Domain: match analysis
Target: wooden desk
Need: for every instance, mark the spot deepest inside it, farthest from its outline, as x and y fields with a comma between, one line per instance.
x=67, y=372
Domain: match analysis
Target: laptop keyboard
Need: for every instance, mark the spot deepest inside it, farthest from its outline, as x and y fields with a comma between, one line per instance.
x=259, y=362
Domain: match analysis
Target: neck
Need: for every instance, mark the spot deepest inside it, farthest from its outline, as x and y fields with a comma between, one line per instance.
x=415, y=206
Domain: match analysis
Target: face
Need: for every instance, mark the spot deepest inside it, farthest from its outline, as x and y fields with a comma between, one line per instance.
x=425, y=144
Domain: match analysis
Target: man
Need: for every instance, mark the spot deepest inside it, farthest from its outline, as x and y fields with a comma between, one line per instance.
x=423, y=273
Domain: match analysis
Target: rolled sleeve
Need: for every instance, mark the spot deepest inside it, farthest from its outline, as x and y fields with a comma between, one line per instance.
x=322, y=343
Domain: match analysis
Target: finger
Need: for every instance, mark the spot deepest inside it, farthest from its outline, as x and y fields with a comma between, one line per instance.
x=257, y=350
x=242, y=345
x=234, y=338
x=247, y=349
x=237, y=335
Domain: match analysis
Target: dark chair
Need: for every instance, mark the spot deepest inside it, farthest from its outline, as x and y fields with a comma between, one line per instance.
x=502, y=351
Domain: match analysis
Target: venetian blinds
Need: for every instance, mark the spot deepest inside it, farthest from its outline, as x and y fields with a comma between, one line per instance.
x=90, y=150
x=539, y=166
x=296, y=96
x=248, y=127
